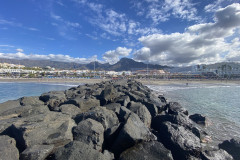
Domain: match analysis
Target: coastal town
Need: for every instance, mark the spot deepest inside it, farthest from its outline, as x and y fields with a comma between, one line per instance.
x=226, y=71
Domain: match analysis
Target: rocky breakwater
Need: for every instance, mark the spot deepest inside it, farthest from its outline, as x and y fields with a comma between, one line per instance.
x=110, y=120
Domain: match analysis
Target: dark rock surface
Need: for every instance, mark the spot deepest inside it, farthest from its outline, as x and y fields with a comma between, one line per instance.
x=232, y=146
x=36, y=152
x=110, y=120
x=217, y=155
x=199, y=119
x=132, y=132
x=8, y=149
x=79, y=150
x=90, y=132
x=141, y=111
x=152, y=150
x=106, y=117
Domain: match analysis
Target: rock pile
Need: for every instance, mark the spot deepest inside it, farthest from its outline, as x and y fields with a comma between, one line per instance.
x=110, y=120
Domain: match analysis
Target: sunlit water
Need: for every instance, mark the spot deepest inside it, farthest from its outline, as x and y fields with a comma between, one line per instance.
x=220, y=103
x=11, y=91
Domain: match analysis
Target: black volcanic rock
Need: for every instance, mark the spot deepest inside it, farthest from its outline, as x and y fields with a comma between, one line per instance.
x=133, y=123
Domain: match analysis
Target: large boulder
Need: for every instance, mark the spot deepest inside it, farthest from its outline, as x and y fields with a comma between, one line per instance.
x=33, y=110
x=216, y=155
x=232, y=147
x=79, y=150
x=152, y=150
x=108, y=95
x=33, y=101
x=179, y=140
x=70, y=109
x=123, y=114
x=199, y=119
x=84, y=103
x=175, y=108
x=52, y=128
x=182, y=120
x=131, y=133
x=14, y=109
x=8, y=149
x=58, y=95
x=90, y=132
x=123, y=100
x=6, y=123
x=106, y=117
x=115, y=107
x=141, y=111
x=53, y=99
x=10, y=109
x=36, y=152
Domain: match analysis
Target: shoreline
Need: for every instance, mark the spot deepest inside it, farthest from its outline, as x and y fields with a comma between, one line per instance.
x=143, y=81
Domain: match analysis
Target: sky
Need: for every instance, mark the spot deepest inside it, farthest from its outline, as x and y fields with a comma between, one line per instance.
x=165, y=32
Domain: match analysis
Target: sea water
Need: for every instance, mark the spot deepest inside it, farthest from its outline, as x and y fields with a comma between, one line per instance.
x=13, y=90
x=220, y=103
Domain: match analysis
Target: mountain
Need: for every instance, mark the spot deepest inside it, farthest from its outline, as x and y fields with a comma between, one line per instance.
x=125, y=64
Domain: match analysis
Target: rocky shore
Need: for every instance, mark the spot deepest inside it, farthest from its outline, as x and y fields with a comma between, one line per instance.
x=110, y=120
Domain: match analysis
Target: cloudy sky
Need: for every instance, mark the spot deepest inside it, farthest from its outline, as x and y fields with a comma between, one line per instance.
x=166, y=32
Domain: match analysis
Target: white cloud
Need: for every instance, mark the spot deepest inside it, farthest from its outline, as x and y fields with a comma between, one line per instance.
x=161, y=11
x=201, y=43
x=114, y=23
x=52, y=57
x=112, y=56
x=213, y=7
x=19, y=50
x=6, y=45
x=65, y=22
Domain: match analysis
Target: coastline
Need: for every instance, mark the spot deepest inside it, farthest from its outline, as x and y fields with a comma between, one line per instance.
x=48, y=80
x=184, y=82
x=143, y=81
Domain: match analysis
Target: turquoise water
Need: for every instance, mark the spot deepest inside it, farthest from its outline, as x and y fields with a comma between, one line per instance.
x=219, y=102
x=11, y=91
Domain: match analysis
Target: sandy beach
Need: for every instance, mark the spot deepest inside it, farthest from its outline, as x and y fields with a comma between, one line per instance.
x=144, y=81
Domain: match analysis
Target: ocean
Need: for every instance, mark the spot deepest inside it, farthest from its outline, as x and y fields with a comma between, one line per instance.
x=13, y=90
x=219, y=103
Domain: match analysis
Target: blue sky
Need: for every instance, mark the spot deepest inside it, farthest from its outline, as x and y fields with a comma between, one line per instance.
x=167, y=32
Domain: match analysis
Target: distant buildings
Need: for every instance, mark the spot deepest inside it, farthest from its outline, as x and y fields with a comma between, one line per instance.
x=7, y=65
x=220, y=69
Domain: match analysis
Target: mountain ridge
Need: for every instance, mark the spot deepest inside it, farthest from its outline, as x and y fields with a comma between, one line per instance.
x=124, y=64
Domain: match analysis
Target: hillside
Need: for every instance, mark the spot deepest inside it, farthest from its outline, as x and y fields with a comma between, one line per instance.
x=125, y=64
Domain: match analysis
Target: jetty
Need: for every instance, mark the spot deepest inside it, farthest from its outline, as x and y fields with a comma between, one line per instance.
x=120, y=119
